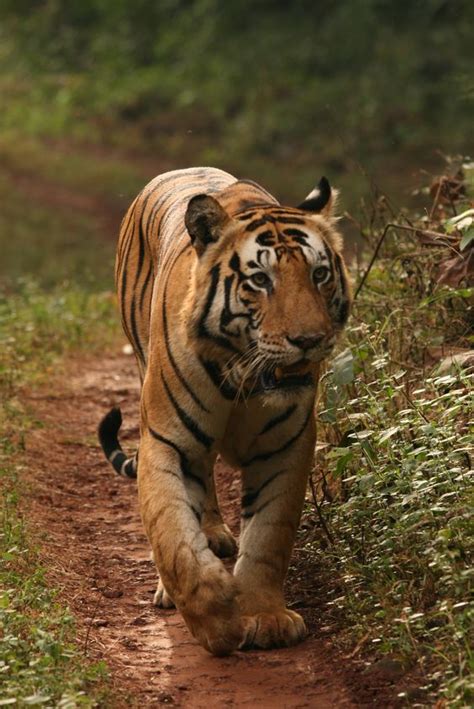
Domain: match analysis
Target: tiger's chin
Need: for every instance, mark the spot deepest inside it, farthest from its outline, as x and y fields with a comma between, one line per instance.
x=277, y=385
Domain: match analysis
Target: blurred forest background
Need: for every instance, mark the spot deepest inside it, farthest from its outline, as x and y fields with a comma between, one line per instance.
x=99, y=96
x=103, y=94
x=365, y=91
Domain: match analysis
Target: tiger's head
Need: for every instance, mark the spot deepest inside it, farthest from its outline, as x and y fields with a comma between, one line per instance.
x=270, y=290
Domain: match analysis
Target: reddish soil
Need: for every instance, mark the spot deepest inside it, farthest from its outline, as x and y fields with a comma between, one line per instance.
x=98, y=555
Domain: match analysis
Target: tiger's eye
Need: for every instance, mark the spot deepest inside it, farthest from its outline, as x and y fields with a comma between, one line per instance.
x=320, y=274
x=260, y=279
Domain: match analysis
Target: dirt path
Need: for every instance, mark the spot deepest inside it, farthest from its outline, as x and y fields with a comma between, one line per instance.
x=99, y=556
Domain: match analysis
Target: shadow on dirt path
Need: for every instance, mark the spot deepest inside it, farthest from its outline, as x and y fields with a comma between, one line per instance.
x=98, y=554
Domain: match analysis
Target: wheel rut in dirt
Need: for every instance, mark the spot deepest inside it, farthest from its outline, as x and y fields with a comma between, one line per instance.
x=98, y=555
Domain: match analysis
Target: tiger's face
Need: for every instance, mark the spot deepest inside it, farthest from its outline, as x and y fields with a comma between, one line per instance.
x=271, y=287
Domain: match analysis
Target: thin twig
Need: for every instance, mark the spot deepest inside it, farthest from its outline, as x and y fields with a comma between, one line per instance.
x=358, y=647
x=424, y=232
x=94, y=613
x=318, y=510
x=436, y=199
x=414, y=407
x=372, y=260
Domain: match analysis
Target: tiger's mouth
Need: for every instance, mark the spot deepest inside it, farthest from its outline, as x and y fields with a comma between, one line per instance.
x=293, y=375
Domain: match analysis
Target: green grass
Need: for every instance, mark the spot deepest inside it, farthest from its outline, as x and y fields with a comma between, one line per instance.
x=39, y=662
x=37, y=327
x=402, y=526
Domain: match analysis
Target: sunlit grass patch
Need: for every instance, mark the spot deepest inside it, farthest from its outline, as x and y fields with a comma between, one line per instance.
x=36, y=327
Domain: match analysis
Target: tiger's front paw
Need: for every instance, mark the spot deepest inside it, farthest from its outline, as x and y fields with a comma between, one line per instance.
x=280, y=628
x=212, y=613
x=221, y=541
x=162, y=598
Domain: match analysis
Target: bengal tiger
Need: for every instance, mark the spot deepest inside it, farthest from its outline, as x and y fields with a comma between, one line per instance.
x=231, y=302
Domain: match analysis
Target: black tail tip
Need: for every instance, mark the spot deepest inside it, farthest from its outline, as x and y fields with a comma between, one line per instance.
x=110, y=424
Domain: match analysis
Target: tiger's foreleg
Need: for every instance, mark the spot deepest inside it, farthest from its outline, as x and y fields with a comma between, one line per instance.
x=219, y=539
x=273, y=497
x=171, y=504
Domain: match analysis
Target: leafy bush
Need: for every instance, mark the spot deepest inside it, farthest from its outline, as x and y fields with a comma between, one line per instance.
x=395, y=474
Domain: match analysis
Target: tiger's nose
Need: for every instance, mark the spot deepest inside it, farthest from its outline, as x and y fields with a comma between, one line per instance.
x=306, y=342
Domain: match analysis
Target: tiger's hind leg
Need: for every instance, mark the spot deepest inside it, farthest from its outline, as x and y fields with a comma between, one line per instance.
x=162, y=598
x=218, y=534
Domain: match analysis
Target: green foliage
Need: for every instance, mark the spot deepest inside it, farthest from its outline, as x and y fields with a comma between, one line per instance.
x=403, y=526
x=38, y=662
x=397, y=480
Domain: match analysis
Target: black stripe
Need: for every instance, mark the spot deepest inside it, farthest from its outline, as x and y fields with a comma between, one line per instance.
x=133, y=323
x=173, y=362
x=343, y=312
x=328, y=252
x=124, y=284
x=130, y=470
x=141, y=250
x=248, y=214
x=256, y=224
x=214, y=372
x=183, y=459
x=248, y=515
x=145, y=284
x=250, y=497
x=266, y=238
x=278, y=419
x=295, y=232
x=284, y=447
x=340, y=272
x=186, y=420
x=143, y=236
x=202, y=328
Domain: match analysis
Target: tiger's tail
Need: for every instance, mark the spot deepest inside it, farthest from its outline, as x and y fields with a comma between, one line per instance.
x=108, y=437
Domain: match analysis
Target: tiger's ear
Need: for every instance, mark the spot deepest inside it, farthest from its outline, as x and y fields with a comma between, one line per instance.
x=321, y=200
x=204, y=219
